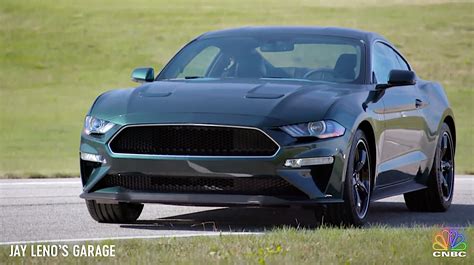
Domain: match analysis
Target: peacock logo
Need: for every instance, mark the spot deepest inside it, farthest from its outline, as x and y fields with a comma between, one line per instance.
x=449, y=242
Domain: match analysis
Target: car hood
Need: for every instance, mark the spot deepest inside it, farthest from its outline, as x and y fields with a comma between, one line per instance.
x=256, y=103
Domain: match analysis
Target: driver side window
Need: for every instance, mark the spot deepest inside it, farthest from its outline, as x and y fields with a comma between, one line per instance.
x=385, y=60
x=199, y=65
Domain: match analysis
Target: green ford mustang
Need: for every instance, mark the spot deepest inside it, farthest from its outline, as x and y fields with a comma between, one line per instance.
x=324, y=118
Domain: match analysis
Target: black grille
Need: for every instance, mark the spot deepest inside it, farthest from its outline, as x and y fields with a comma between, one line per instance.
x=193, y=140
x=264, y=185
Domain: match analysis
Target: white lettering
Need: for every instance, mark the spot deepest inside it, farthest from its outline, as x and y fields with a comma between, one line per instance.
x=44, y=250
x=65, y=250
x=17, y=250
x=451, y=254
x=94, y=251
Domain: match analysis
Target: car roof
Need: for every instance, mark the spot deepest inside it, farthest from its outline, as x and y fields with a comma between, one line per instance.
x=366, y=36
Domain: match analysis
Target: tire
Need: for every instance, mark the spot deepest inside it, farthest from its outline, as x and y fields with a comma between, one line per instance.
x=438, y=195
x=114, y=213
x=357, y=188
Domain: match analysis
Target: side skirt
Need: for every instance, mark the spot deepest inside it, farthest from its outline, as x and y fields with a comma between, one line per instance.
x=396, y=189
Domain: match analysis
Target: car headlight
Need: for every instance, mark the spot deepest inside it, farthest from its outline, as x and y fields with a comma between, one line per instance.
x=96, y=126
x=319, y=129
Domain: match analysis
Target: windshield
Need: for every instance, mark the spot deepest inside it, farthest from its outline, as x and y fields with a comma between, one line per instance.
x=303, y=57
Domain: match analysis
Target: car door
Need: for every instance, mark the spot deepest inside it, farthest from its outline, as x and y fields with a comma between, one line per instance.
x=401, y=156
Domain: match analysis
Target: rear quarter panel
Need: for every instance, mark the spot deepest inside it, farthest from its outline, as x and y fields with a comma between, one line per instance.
x=436, y=111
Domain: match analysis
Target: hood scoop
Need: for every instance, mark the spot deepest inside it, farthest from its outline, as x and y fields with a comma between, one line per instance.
x=264, y=95
x=154, y=94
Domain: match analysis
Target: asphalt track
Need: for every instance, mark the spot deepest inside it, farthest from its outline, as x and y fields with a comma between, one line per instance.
x=38, y=210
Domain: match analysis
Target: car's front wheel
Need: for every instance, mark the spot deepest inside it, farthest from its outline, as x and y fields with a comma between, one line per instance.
x=357, y=188
x=114, y=213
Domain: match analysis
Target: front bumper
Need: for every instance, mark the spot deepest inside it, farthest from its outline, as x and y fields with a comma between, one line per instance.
x=318, y=184
x=115, y=196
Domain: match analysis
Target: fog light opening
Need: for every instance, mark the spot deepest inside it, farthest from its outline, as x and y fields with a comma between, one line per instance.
x=314, y=161
x=93, y=158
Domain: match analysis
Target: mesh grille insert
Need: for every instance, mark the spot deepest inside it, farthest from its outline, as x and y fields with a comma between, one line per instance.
x=193, y=140
x=265, y=185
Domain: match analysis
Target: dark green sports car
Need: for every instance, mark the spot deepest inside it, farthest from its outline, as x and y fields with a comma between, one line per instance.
x=322, y=118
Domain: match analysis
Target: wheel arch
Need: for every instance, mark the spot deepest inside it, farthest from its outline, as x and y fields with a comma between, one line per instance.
x=368, y=130
x=449, y=120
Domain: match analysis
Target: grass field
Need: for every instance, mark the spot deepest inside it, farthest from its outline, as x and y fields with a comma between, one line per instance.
x=57, y=56
x=286, y=246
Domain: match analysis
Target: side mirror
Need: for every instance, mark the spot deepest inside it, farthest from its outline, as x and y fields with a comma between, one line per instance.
x=399, y=78
x=141, y=75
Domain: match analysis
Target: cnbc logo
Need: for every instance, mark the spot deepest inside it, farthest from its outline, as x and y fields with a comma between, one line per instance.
x=449, y=242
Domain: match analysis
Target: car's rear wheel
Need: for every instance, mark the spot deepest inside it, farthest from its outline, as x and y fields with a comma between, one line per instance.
x=357, y=188
x=114, y=213
x=438, y=195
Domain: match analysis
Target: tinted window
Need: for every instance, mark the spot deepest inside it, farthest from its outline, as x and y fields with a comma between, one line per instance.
x=285, y=56
x=403, y=64
x=386, y=59
x=313, y=56
x=199, y=65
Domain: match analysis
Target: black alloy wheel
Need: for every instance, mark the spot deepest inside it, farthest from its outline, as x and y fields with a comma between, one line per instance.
x=438, y=195
x=361, y=179
x=446, y=174
x=357, y=188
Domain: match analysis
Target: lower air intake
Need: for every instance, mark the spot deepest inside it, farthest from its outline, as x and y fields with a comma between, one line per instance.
x=265, y=185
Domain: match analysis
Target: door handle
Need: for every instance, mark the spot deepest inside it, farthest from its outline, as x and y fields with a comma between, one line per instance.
x=418, y=103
